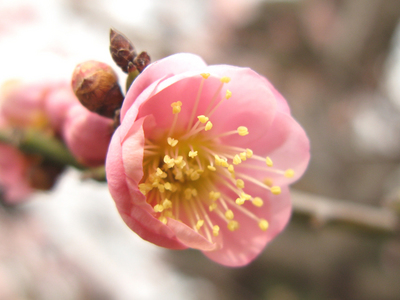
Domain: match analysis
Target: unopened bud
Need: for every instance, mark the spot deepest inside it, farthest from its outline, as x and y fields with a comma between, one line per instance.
x=96, y=86
x=122, y=51
x=142, y=61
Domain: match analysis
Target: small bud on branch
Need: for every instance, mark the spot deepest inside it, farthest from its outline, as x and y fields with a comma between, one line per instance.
x=96, y=86
x=122, y=51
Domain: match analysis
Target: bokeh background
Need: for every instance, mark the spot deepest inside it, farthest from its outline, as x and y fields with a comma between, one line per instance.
x=337, y=62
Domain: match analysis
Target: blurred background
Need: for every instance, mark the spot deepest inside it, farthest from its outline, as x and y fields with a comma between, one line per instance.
x=337, y=62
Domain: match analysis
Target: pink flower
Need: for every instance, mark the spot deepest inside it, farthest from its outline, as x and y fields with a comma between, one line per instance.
x=203, y=159
x=87, y=135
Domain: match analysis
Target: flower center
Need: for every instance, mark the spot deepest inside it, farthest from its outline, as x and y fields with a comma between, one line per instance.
x=190, y=176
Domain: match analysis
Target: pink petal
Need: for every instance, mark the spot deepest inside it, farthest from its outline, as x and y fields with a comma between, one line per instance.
x=173, y=64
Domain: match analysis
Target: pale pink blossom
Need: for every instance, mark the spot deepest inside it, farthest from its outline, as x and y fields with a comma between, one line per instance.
x=203, y=159
x=87, y=135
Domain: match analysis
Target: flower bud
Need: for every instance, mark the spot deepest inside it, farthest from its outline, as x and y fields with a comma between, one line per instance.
x=122, y=51
x=87, y=135
x=142, y=61
x=96, y=86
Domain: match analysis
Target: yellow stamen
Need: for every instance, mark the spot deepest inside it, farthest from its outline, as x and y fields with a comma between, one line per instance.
x=211, y=168
x=158, y=208
x=163, y=220
x=263, y=224
x=249, y=153
x=268, y=182
x=243, y=156
x=199, y=224
x=215, y=230
x=225, y=79
x=203, y=119
x=257, y=201
x=240, y=201
x=233, y=225
x=172, y=142
x=205, y=75
x=276, y=190
x=236, y=160
x=176, y=107
x=242, y=131
x=167, y=204
x=269, y=162
x=209, y=125
x=212, y=206
x=229, y=214
x=228, y=94
x=289, y=173
x=193, y=154
x=240, y=183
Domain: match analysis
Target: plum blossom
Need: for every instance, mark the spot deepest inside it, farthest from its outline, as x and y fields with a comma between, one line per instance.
x=203, y=159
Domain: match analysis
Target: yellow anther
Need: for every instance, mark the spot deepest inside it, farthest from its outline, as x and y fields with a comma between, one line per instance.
x=257, y=201
x=178, y=174
x=276, y=190
x=268, y=161
x=231, y=169
x=209, y=125
x=167, y=204
x=203, y=119
x=289, y=173
x=158, y=208
x=242, y=130
x=194, y=192
x=172, y=142
x=144, y=188
x=263, y=224
x=224, y=163
x=218, y=161
x=243, y=156
x=225, y=79
x=205, y=75
x=168, y=186
x=236, y=160
x=170, y=162
x=174, y=188
x=199, y=224
x=163, y=220
x=228, y=94
x=214, y=195
x=215, y=230
x=161, y=188
x=249, y=153
x=180, y=162
x=176, y=107
x=268, y=182
x=160, y=173
x=188, y=193
x=240, y=201
x=192, y=154
x=211, y=168
x=229, y=214
x=233, y=225
x=240, y=183
x=245, y=196
x=195, y=176
x=212, y=206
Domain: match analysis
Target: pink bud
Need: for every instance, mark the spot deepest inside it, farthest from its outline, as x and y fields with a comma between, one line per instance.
x=87, y=135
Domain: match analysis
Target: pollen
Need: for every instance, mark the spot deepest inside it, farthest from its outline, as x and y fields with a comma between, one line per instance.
x=193, y=154
x=228, y=94
x=249, y=153
x=231, y=169
x=268, y=161
x=236, y=160
x=214, y=195
x=176, y=107
x=203, y=119
x=172, y=142
x=225, y=79
x=209, y=125
x=215, y=230
x=229, y=214
x=199, y=224
x=289, y=173
x=170, y=162
x=240, y=201
x=240, y=183
x=211, y=168
x=233, y=225
x=263, y=224
x=257, y=201
x=167, y=204
x=243, y=156
x=276, y=190
x=158, y=208
x=205, y=75
x=242, y=130
x=160, y=173
x=163, y=220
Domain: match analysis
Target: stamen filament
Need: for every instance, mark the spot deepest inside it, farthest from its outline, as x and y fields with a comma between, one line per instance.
x=196, y=104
